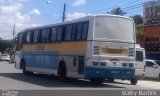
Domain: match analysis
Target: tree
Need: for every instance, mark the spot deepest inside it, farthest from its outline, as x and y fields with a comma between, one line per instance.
x=5, y=45
x=138, y=19
x=117, y=11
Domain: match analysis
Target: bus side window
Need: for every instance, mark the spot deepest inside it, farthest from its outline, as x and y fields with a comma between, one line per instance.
x=59, y=33
x=73, y=35
x=28, y=37
x=24, y=37
x=20, y=38
x=35, y=38
x=139, y=56
x=48, y=35
x=19, y=41
x=43, y=36
x=54, y=34
x=39, y=36
x=68, y=31
x=84, y=31
x=31, y=37
x=79, y=31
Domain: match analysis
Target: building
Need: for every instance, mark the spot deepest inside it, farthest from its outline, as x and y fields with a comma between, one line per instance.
x=151, y=29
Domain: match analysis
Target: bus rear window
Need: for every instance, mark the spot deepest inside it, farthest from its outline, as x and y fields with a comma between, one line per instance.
x=139, y=56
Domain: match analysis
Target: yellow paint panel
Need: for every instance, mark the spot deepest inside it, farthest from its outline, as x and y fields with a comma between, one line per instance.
x=114, y=52
x=65, y=46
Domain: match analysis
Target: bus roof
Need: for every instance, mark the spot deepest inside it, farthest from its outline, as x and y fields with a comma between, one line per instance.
x=87, y=17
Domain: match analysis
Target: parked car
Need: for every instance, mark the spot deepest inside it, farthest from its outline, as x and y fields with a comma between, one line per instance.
x=5, y=57
x=152, y=69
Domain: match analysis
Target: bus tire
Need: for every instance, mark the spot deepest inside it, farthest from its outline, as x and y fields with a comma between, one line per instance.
x=133, y=81
x=62, y=70
x=97, y=80
x=24, y=68
x=111, y=80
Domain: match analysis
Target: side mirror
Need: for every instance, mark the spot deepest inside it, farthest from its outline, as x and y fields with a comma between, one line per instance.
x=154, y=66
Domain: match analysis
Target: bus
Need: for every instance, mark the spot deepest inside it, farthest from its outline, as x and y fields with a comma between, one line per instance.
x=94, y=47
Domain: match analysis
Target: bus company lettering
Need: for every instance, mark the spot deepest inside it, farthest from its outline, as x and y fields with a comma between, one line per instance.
x=153, y=21
x=40, y=47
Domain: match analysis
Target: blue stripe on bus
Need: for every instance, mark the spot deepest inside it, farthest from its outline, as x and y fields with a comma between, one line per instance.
x=40, y=59
x=110, y=72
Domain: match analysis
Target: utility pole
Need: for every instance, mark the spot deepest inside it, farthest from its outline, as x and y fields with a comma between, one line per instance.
x=13, y=41
x=14, y=31
x=64, y=13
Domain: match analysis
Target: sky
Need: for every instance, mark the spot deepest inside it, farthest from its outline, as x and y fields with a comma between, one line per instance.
x=30, y=13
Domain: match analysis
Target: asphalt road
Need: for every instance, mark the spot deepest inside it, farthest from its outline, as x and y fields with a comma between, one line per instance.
x=11, y=78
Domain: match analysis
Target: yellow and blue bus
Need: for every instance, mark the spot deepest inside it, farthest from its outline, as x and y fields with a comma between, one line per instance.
x=94, y=47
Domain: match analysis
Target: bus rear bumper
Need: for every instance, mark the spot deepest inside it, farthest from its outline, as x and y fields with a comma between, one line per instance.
x=110, y=72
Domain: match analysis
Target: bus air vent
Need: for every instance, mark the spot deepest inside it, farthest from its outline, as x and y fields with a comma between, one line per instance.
x=81, y=63
x=96, y=50
x=131, y=52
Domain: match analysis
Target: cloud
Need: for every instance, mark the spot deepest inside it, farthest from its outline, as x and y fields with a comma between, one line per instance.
x=75, y=15
x=11, y=8
x=79, y=2
x=35, y=12
x=11, y=11
x=11, y=1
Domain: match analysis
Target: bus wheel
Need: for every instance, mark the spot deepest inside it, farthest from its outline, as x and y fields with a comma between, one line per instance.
x=24, y=69
x=133, y=81
x=62, y=71
x=97, y=80
x=111, y=80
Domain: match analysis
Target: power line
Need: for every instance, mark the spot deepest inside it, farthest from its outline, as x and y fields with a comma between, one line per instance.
x=126, y=8
x=112, y=7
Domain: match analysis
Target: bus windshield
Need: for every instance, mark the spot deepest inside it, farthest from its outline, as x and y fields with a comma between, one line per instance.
x=139, y=55
x=114, y=28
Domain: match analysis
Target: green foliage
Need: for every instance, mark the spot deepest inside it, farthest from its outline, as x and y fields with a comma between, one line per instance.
x=139, y=30
x=138, y=19
x=5, y=45
x=117, y=11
